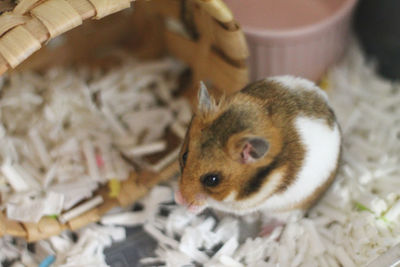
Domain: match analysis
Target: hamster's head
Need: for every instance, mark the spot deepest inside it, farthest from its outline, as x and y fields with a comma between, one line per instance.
x=220, y=153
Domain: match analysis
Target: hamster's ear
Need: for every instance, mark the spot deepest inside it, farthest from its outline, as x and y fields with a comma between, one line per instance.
x=246, y=148
x=205, y=101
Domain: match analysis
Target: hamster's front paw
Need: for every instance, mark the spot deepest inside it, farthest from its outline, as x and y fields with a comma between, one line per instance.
x=271, y=221
x=267, y=228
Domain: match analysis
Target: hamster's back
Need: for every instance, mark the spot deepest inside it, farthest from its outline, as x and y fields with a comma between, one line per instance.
x=291, y=96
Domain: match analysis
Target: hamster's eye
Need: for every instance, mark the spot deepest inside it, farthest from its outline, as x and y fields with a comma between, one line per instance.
x=211, y=179
x=184, y=158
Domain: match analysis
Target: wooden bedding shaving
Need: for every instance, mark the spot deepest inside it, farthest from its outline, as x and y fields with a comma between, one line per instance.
x=64, y=131
x=355, y=222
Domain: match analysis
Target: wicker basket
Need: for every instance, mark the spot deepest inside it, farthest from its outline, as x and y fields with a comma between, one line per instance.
x=202, y=33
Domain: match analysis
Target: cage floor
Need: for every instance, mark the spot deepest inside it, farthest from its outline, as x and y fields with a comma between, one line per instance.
x=137, y=245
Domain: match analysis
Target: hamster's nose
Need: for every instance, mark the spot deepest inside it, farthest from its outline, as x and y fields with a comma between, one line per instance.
x=179, y=198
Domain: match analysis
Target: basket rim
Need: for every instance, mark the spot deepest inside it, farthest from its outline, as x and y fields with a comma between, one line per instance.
x=37, y=11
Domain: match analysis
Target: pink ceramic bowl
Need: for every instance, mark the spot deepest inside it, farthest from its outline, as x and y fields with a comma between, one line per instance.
x=298, y=37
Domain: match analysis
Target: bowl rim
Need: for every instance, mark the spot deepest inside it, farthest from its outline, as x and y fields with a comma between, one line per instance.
x=345, y=9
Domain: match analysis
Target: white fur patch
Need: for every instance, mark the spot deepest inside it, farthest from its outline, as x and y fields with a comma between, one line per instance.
x=322, y=145
x=230, y=197
x=252, y=203
x=297, y=83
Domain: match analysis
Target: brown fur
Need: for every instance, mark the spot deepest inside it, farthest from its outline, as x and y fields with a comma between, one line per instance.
x=289, y=105
x=262, y=109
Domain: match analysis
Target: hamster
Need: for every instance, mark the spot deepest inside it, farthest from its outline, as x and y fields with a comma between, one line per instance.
x=273, y=146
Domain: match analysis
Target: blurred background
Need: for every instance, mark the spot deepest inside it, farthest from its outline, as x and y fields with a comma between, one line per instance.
x=306, y=37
